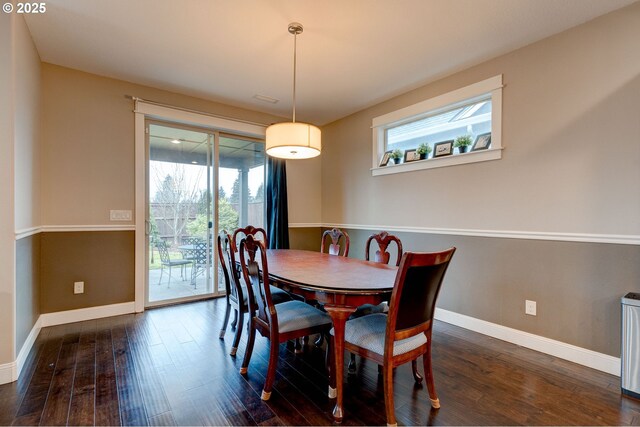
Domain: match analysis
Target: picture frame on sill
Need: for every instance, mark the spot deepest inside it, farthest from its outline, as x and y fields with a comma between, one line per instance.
x=385, y=158
x=411, y=155
x=482, y=142
x=441, y=149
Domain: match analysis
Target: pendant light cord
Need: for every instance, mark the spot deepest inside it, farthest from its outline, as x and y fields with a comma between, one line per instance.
x=295, y=39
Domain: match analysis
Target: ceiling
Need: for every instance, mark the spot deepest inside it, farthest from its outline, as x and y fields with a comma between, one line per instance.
x=351, y=55
x=176, y=144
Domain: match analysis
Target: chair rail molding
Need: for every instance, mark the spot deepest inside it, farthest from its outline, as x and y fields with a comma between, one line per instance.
x=620, y=239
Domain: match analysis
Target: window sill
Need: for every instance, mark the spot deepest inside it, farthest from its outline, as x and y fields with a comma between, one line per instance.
x=440, y=162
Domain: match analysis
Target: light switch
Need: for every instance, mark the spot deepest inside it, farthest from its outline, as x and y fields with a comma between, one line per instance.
x=120, y=215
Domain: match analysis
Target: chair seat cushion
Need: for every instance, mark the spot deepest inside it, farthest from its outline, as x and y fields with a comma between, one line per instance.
x=368, y=332
x=295, y=315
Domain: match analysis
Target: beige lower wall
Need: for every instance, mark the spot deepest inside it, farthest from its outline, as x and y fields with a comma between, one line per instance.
x=27, y=287
x=103, y=260
x=305, y=238
x=577, y=286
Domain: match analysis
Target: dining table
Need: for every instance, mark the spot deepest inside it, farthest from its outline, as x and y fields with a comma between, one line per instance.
x=341, y=284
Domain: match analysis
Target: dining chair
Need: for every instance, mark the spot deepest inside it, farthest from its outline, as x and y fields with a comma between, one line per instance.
x=236, y=295
x=166, y=261
x=334, y=248
x=282, y=322
x=335, y=234
x=257, y=232
x=383, y=239
x=381, y=255
x=405, y=333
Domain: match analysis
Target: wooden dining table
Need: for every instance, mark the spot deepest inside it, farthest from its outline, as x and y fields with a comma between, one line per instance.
x=341, y=284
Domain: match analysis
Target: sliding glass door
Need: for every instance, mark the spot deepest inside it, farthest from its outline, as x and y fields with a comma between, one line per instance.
x=198, y=182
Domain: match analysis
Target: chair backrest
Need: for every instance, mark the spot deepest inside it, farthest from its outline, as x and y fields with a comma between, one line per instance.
x=200, y=252
x=415, y=291
x=334, y=248
x=383, y=240
x=163, y=249
x=191, y=240
x=250, y=230
x=229, y=268
x=256, y=276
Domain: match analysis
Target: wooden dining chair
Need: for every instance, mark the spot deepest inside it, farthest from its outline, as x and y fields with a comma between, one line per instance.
x=405, y=333
x=383, y=239
x=334, y=248
x=249, y=230
x=282, y=322
x=237, y=294
x=381, y=255
x=278, y=294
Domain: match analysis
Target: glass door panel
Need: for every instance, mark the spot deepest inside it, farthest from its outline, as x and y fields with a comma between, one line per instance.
x=179, y=213
x=240, y=180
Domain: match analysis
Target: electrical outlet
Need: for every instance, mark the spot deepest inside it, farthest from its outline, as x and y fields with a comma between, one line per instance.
x=530, y=307
x=78, y=287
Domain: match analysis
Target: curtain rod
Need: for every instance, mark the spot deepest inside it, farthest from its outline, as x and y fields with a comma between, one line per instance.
x=188, y=110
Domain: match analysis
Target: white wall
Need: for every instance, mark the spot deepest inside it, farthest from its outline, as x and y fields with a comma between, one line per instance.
x=7, y=242
x=571, y=133
x=27, y=107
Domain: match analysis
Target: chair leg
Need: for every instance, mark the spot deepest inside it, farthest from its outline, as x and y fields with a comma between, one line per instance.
x=236, y=338
x=249, y=349
x=319, y=340
x=223, y=330
x=352, y=364
x=416, y=375
x=387, y=378
x=428, y=372
x=235, y=319
x=169, y=282
x=161, y=273
x=271, y=369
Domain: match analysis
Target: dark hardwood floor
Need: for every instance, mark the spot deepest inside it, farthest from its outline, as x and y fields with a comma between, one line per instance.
x=168, y=367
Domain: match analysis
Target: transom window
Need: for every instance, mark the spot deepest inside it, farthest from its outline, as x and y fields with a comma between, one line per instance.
x=474, y=111
x=471, y=119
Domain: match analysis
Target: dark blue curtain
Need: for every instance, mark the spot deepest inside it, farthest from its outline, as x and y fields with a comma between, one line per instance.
x=277, y=211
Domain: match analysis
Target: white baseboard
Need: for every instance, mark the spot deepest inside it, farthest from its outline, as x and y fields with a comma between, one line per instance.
x=26, y=347
x=572, y=353
x=82, y=314
x=9, y=372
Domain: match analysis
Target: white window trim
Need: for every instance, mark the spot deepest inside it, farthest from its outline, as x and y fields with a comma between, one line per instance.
x=492, y=85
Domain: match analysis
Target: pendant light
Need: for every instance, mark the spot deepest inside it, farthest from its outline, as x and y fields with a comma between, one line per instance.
x=293, y=140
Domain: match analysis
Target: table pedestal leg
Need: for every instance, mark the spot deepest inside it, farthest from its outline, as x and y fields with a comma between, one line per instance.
x=339, y=316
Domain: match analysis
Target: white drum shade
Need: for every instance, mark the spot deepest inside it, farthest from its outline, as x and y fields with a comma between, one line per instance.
x=293, y=140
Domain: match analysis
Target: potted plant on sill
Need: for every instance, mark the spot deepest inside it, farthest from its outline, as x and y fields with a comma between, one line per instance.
x=396, y=155
x=463, y=142
x=423, y=150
